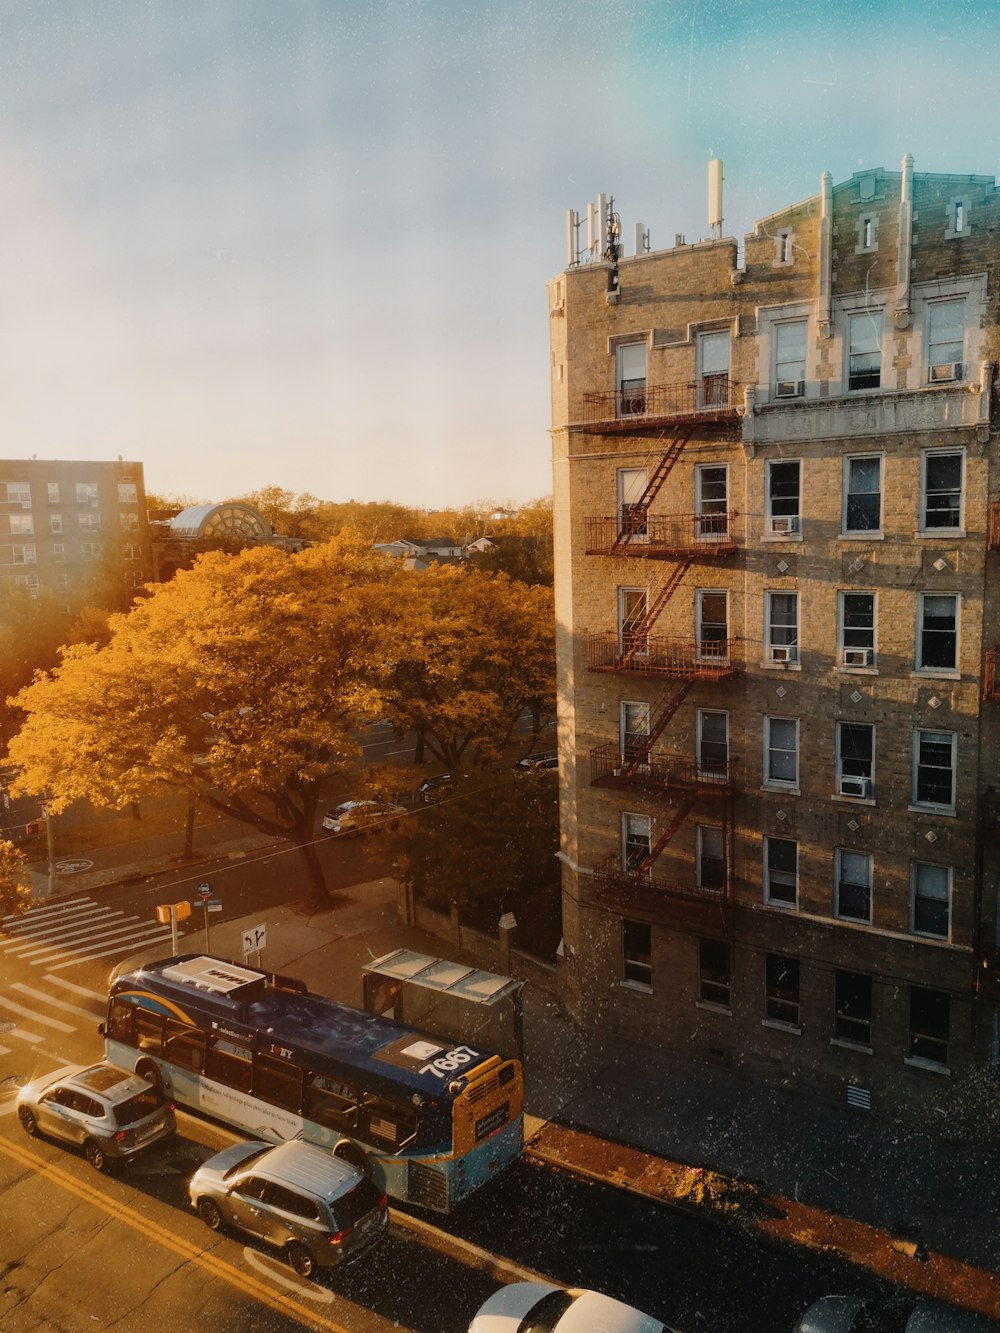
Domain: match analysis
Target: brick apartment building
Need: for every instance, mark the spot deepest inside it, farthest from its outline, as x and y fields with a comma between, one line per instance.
x=777, y=525
x=67, y=527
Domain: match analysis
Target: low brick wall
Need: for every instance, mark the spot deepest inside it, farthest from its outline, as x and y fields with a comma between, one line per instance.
x=484, y=948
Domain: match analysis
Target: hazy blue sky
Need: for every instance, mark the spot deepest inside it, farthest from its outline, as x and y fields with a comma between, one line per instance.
x=306, y=241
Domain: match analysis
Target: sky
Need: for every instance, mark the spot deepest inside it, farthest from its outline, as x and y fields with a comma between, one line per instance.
x=305, y=242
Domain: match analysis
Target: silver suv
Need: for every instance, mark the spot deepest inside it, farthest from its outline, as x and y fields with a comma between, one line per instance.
x=111, y=1113
x=316, y=1208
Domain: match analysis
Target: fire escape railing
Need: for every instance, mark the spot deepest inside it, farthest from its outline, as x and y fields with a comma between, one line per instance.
x=610, y=767
x=627, y=408
x=642, y=534
x=637, y=654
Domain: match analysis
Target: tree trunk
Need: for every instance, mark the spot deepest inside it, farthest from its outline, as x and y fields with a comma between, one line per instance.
x=188, y=852
x=319, y=898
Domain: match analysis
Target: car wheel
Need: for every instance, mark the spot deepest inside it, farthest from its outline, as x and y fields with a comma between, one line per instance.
x=151, y=1073
x=28, y=1122
x=210, y=1214
x=300, y=1258
x=95, y=1155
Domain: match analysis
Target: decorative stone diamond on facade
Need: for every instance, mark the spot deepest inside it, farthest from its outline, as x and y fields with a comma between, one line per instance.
x=781, y=691
x=940, y=564
x=856, y=565
x=856, y=697
x=934, y=702
x=782, y=815
x=782, y=566
x=853, y=825
x=931, y=836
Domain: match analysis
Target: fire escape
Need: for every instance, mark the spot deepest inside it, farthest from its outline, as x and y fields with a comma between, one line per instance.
x=986, y=948
x=668, y=417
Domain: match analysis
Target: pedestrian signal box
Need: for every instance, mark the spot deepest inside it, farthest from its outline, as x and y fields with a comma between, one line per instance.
x=179, y=911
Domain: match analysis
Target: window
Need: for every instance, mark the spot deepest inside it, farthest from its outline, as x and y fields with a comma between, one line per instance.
x=713, y=377
x=58, y=551
x=184, y=1045
x=937, y=635
x=852, y=1007
x=228, y=1061
x=930, y=911
x=22, y=555
x=856, y=759
x=632, y=512
x=941, y=497
x=781, y=989
x=631, y=375
x=863, y=495
x=330, y=1102
x=934, y=769
x=710, y=869
x=53, y=492
x=945, y=337
x=713, y=625
x=18, y=493
x=22, y=525
x=636, y=844
x=864, y=367
x=929, y=1022
x=29, y=581
x=62, y=580
x=131, y=551
x=784, y=253
x=637, y=954
x=129, y=522
x=634, y=731
x=781, y=759
x=854, y=885
x=783, y=497
x=86, y=493
x=957, y=225
x=867, y=233
x=782, y=627
x=55, y=523
x=90, y=522
x=713, y=742
x=128, y=493
x=712, y=502
x=713, y=972
x=781, y=872
x=632, y=635
x=857, y=629
x=790, y=359
x=277, y=1081
x=90, y=551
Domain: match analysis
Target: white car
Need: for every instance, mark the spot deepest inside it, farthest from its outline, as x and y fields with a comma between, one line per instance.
x=853, y=1314
x=544, y=1308
x=356, y=817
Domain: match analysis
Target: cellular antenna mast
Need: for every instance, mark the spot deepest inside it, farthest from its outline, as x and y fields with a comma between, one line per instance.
x=715, y=197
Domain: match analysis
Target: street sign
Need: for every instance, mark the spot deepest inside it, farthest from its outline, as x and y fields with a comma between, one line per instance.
x=214, y=907
x=254, y=939
x=204, y=890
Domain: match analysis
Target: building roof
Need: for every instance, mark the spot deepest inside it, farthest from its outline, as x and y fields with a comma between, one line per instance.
x=233, y=520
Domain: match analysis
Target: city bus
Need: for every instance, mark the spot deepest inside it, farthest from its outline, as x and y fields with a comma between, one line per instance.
x=430, y=1121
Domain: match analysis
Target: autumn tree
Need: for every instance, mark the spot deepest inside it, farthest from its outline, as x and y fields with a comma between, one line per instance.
x=15, y=892
x=235, y=683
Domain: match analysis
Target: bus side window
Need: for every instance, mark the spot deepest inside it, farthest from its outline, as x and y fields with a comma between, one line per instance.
x=229, y=1062
x=184, y=1046
x=389, y=1124
x=330, y=1102
x=148, y=1031
x=120, y=1025
x=278, y=1082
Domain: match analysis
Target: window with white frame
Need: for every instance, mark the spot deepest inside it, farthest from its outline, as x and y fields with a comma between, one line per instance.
x=856, y=759
x=867, y=233
x=23, y=554
x=129, y=522
x=781, y=989
x=945, y=340
x=86, y=493
x=934, y=769
x=941, y=491
x=633, y=518
x=128, y=493
x=53, y=492
x=784, y=248
x=852, y=1007
x=21, y=525
x=633, y=721
x=863, y=494
x=781, y=872
x=714, y=973
x=937, y=632
x=713, y=742
x=637, y=954
x=630, y=370
x=636, y=843
x=17, y=493
x=632, y=635
x=89, y=522
x=27, y=581
x=712, y=607
x=782, y=627
x=790, y=359
x=58, y=551
x=857, y=629
x=864, y=356
x=781, y=752
x=132, y=551
x=713, y=372
x=90, y=551
x=62, y=582
x=957, y=225
x=930, y=1019
x=784, y=497
x=55, y=523
x=854, y=885
x=711, y=501
x=711, y=860
x=930, y=908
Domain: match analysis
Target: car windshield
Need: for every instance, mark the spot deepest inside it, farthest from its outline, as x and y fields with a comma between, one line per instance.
x=138, y=1107
x=351, y=1208
x=245, y=1161
x=546, y=1313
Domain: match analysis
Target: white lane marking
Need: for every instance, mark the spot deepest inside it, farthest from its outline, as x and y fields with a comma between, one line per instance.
x=136, y=934
x=38, y=1018
x=77, y=990
x=281, y=1274
x=56, y=1004
x=17, y=917
x=77, y=931
x=4, y=1050
x=94, y=935
x=105, y=953
x=8, y=1107
x=26, y=1036
x=39, y=929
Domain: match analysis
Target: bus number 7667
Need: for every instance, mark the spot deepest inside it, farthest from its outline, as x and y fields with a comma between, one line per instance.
x=448, y=1063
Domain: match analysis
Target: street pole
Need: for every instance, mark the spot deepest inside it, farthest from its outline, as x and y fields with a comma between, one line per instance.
x=50, y=848
x=208, y=942
x=173, y=929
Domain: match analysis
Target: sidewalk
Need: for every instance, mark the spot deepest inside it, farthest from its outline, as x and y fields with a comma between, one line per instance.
x=909, y=1207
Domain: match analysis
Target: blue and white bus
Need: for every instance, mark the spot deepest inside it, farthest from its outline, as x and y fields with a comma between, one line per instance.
x=432, y=1122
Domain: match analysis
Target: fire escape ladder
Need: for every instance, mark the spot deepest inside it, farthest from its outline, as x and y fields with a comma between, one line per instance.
x=661, y=711
x=638, y=631
x=680, y=814
x=635, y=516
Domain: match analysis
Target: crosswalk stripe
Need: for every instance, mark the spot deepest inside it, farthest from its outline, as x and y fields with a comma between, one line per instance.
x=54, y=1003
x=39, y=929
x=77, y=990
x=105, y=953
x=95, y=935
x=56, y=1023
x=49, y=938
x=34, y=912
x=24, y=1035
x=4, y=1050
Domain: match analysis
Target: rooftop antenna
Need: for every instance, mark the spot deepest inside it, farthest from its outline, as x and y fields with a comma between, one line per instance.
x=611, y=235
x=715, y=197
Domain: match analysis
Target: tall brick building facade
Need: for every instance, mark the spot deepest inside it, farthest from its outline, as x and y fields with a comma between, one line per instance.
x=777, y=512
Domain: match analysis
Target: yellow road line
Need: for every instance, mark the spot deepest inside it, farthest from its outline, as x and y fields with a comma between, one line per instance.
x=245, y=1282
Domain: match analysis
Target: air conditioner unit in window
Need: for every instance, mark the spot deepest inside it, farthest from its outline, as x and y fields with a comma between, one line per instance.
x=948, y=370
x=856, y=787
x=789, y=388
x=784, y=652
x=859, y=657
x=785, y=525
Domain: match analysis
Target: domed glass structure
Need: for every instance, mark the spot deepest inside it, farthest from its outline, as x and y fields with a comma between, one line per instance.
x=230, y=521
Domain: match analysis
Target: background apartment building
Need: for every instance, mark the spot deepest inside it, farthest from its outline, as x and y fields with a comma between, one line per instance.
x=70, y=528
x=776, y=523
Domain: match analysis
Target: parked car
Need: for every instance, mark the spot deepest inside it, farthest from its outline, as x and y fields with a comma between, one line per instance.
x=319, y=1210
x=544, y=759
x=855, y=1314
x=357, y=817
x=432, y=789
x=540, y=1307
x=111, y=1113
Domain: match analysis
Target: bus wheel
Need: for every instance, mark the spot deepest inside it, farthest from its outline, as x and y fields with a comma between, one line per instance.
x=151, y=1073
x=351, y=1154
x=300, y=1258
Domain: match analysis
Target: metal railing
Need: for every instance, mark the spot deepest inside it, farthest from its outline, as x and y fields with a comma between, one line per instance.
x=637, y=533
x=609, y=767
x=663, y=402
x=681, y=659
